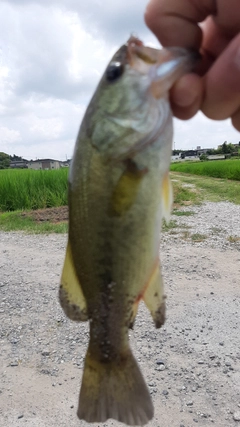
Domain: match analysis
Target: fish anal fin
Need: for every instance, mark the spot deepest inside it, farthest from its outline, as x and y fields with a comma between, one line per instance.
x=70, y=293
x=125, y=192
x=167, y=197
x=114, y=389
x=154, y=297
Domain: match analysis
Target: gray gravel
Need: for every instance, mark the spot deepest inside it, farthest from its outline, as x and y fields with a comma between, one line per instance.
x=191, y=366
x=217, y=223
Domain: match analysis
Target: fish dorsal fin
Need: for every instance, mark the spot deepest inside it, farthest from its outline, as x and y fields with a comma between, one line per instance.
x=70, y=292
x=167, y=197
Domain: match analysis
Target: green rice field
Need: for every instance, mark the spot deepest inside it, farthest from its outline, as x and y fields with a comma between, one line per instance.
x=226, y=169
x=32, y=189
x=36, y=189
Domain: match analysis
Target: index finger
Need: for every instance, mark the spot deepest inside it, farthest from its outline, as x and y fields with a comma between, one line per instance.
x=175, y=22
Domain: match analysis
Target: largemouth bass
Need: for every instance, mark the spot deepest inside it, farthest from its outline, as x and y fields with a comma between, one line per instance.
x=119, y=191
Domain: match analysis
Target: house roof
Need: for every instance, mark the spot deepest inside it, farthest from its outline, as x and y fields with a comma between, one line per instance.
x=44, y=160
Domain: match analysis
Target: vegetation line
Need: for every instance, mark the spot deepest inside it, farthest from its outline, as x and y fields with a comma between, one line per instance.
x=226, y=169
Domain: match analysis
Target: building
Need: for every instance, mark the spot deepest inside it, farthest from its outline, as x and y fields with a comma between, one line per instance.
x=216, y=156
x=202, y=150
x=175, y=157
x=18, y=164
x=44, y=164
x=237, y=146
x=65, y=163
x=189, y=154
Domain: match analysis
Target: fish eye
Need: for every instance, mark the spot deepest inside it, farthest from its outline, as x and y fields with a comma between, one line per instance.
x=114, y=71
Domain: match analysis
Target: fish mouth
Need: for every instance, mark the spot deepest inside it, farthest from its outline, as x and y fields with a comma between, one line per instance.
x=163, y=67
x=136, y=50
x=136, y=55
x=160, y=65
x=139, y=57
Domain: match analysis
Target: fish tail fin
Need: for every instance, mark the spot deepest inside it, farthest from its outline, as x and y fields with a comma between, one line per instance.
x=115, y=390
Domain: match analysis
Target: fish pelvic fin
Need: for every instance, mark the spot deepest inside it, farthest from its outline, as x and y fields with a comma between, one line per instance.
x=70, y=293
x=114, y=389
x=154, y=297
x=167, y=197
x=134, y=313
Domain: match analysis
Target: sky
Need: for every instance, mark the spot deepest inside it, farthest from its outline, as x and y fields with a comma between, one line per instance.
x=52, y=55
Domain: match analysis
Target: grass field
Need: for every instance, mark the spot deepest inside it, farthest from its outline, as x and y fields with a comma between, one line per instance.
x=26, y=190
x=192, y=189
x=227, y=169
x=14, y=221
x=30, y=189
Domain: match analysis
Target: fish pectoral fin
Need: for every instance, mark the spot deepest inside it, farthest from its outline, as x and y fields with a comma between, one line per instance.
x=167, y=197
x=70, y=293
x=154, y=297
x=125, y=192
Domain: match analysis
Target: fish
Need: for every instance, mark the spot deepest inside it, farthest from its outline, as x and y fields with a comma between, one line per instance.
x=119, y=192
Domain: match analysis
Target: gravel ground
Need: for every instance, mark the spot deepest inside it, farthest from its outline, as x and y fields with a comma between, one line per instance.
x=191, y=366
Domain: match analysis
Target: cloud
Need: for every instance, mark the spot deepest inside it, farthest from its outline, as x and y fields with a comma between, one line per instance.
x=41, y=50
x=52, y=55
x=9, y=135
x=49, y=68
x=111, y=20
x=47, y=126
x=201, y=131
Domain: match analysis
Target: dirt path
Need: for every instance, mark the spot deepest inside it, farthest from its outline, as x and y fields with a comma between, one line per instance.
x=191, y=366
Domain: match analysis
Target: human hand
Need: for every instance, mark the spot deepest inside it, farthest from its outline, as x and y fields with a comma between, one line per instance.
x=216, y=88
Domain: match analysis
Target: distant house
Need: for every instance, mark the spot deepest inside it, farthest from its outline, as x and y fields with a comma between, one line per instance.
x=202, y=150
x=216, y=156
x=190, y=154
x=175, y=157
x=65, y=163
x=17, y=162
x=44, y=164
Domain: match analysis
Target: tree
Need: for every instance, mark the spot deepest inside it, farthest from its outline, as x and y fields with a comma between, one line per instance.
x=224, y=148
x=231, y=147
x=211, y=151
x=4, y=160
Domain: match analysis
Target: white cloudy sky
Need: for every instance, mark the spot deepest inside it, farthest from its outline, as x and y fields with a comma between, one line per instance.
x=52, y=54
